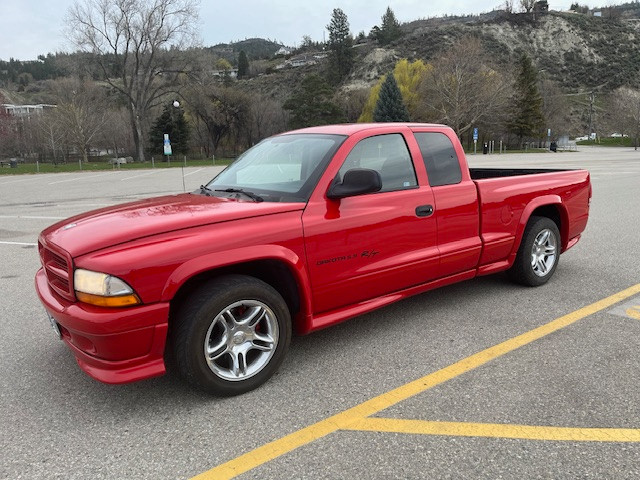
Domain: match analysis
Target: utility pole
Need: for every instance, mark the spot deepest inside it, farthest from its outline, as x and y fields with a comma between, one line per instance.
x=592, y=97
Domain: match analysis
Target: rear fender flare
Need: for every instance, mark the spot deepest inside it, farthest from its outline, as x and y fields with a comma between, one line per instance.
x=546, y=200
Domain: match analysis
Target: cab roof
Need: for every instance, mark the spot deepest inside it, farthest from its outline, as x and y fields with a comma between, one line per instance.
x=352, y=128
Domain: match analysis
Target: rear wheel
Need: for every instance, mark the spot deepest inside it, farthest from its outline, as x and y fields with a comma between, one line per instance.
x=538, y=254
x=231, y=335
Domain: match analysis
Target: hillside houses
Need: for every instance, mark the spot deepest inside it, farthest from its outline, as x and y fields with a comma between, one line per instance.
x=303, y=60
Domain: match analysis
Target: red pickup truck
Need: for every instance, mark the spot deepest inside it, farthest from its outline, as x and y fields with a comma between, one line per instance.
x=304, y=230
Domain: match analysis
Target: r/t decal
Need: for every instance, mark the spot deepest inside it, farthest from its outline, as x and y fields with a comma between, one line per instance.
x=353, y=256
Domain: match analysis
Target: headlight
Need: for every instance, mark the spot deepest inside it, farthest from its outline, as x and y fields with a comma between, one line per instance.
x=102, y=289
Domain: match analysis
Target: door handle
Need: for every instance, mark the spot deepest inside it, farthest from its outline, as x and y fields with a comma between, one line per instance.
x=424, y=210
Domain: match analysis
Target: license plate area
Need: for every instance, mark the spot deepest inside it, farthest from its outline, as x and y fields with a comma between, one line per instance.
x=54, y=325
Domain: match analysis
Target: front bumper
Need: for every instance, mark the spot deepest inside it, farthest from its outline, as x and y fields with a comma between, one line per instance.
x=112, y=345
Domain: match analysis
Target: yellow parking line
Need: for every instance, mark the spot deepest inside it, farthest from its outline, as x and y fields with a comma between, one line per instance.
x=345, y=419
x=634, y=312
x=496, y=430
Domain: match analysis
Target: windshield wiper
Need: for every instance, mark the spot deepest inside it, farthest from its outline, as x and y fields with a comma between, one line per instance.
x=251, y=195
x=206, y=191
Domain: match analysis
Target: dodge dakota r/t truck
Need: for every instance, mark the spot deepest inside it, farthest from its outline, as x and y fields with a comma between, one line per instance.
x=304, y=230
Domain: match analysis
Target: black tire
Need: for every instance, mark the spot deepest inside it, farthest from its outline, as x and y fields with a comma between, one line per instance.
x=525, y=270
x=201, y=317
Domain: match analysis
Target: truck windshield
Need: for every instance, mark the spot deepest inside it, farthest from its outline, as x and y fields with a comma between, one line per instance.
x=284, y=168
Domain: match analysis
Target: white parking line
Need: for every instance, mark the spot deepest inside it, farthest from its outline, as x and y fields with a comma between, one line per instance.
x=29, y=177
x=18, y=243
x=82, y=204
x=191, y=173
x=29, y=217
x=81, y=178
x=141, y=175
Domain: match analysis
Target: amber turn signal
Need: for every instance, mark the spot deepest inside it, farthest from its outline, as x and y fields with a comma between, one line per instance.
x=100, y=301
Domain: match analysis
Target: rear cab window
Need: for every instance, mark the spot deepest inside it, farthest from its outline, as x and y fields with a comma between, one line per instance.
x=440, y=158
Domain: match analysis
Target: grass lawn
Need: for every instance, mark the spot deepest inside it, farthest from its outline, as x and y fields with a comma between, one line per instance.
x=515, y=150
x=102, y=165
x=609, y=142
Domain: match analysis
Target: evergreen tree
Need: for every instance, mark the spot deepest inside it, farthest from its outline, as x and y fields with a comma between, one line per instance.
x=172, y=122
x=340, y=46
x=527, y=118
x=390, y=29
x=409, y=77
x=243, y=64
x=390, y=107
x=311, y=105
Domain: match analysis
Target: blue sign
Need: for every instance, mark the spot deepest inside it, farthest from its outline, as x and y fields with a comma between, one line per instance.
x=475, y=134
x=167, y=144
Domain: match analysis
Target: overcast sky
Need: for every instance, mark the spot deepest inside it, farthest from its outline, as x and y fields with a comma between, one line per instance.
x=29, y=28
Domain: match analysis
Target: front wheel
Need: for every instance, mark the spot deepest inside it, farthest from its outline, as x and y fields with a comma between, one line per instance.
x=231, y=335
x=538, y=254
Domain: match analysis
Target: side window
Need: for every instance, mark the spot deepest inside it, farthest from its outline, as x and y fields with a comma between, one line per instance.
x=440, y=158
x=389, y=156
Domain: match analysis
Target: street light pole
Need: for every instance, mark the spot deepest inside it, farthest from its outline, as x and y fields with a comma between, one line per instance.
x=592, y=97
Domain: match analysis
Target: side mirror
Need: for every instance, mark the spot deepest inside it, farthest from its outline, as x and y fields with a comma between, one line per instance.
x=356, y=181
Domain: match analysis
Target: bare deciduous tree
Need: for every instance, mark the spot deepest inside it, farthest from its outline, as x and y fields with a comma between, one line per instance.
x=555, y=107
x=50, y=133
x=132, y=42
x=222, y=110
x=461, y=90
x=624, y=112
x=81, y=112
x=352, y=102
x=115, y=135
x=266, y=118
x=9, y=134
x=508, y=6
x=527, y=5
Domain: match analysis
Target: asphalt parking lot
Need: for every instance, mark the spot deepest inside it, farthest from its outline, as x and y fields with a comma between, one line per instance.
x=482, y=379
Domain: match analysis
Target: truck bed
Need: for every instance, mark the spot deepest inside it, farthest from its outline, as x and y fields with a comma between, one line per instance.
x=508, y=197
x=483, y=173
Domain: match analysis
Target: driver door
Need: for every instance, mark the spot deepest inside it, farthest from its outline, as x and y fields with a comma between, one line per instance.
x=365, y=246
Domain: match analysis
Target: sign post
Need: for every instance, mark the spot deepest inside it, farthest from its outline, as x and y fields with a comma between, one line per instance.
x=475, y=139
x=167, y=147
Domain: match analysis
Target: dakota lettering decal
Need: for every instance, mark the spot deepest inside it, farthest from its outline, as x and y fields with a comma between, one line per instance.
x=365, y=254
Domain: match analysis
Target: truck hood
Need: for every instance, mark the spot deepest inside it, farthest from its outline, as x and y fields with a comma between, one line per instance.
x=110, y=226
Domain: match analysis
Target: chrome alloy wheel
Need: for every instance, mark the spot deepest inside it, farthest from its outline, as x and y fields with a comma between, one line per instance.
x=543, y=252
x=241, y=340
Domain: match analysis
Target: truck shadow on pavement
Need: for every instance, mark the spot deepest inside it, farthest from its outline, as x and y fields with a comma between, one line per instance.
x=310, y=357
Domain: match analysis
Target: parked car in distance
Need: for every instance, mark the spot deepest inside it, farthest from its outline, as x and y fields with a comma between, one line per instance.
x=303, y=231
x=120, y=160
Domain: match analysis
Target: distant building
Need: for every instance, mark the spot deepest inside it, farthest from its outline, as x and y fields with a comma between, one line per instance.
x=283, y=51
x=563, y=141
x=542, y=6
x=231, y=73
x=311, y=58
x=25, y=110
x=301, y=61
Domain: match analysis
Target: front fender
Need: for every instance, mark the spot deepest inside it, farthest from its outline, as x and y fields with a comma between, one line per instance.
x=213, y=261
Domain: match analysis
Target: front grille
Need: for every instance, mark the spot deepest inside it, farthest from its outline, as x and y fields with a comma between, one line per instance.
x=57, y=267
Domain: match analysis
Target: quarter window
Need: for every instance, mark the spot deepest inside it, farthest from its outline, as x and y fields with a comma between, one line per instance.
x=389, y=156
x=440, y=159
